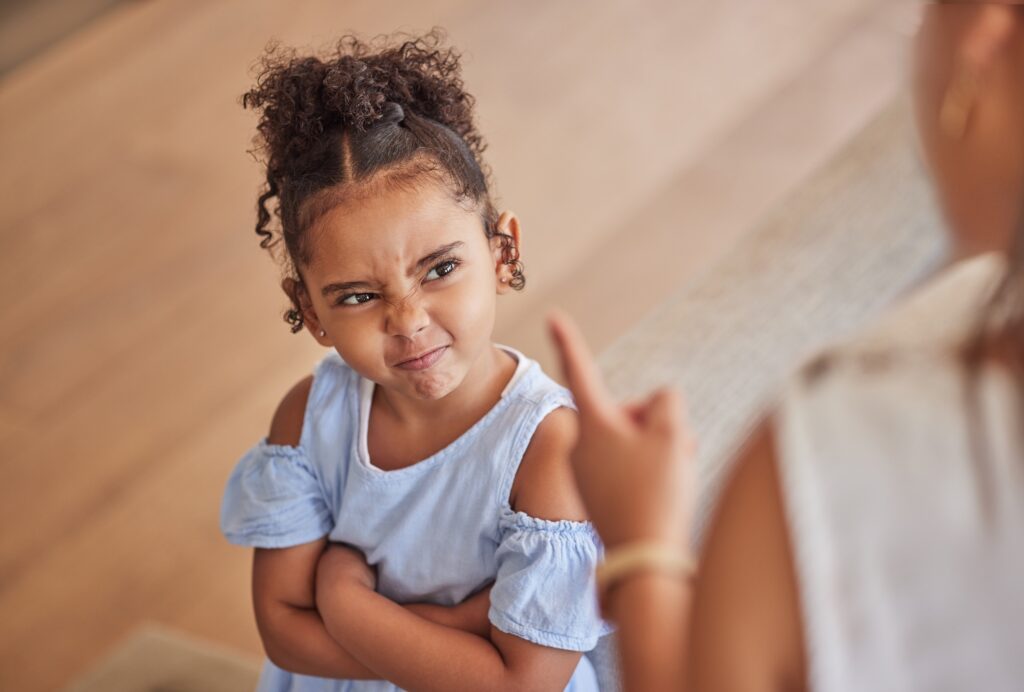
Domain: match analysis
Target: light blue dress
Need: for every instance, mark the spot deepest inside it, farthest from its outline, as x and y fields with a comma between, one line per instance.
x=437, y=531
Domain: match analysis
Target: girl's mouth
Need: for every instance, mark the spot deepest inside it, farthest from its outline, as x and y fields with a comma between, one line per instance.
x=423, y=362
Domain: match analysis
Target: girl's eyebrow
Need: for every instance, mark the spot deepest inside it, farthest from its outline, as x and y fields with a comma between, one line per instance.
x=433, y=256
x=438, y=253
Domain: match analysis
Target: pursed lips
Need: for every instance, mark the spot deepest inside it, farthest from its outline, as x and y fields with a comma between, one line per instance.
x=424, y=360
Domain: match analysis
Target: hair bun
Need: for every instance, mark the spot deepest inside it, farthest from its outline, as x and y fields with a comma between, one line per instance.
x=390, y=114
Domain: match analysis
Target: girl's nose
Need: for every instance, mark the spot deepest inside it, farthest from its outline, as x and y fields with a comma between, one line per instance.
x=407, y=317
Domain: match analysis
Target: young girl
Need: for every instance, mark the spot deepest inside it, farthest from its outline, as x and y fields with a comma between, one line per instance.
x=412, y=508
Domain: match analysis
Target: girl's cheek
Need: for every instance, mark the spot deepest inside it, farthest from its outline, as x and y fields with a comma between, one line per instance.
x=359, y=338
x=474, y=307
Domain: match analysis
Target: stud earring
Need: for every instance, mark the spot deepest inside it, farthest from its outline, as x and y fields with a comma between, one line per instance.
x=323, y=333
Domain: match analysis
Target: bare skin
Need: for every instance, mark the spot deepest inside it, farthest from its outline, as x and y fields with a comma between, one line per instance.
x=737, y=626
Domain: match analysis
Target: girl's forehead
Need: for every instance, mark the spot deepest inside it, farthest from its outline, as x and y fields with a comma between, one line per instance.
x=391, y=226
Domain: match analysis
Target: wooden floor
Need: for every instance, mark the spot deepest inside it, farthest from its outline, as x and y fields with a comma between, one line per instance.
x=141, y=349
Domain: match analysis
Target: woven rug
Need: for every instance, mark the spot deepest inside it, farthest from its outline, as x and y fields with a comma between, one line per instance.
x=157, y=659
x=846, y=245
x=853, y=238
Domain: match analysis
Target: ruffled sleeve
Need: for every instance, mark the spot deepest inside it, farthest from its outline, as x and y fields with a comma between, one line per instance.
x=544, y=591
x=274, y=499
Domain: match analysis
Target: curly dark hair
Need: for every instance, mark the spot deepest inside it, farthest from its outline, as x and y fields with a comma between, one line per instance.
x=384, y=112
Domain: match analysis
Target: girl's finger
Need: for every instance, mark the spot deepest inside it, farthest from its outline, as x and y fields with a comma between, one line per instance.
x=578, y=365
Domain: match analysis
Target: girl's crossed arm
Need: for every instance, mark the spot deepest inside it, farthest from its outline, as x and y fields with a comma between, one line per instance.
x=290, y=626
x=293, y=631
x=414, y=653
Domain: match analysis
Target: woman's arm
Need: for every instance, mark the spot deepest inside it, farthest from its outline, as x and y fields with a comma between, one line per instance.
x=417, y=654
x=651, y=613
x=632, y=467
x=746, y=631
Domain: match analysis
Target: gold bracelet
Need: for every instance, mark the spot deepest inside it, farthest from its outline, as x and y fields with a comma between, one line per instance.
x=639, y=556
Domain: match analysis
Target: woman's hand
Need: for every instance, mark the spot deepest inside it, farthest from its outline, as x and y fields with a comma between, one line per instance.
x=632, y=462
x=343, y=564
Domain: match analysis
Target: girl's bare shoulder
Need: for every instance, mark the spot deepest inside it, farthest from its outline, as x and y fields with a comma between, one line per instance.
x=286, y=426
x=544, y=486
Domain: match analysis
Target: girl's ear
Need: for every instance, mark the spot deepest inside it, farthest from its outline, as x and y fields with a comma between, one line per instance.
x=507, y=248
x=301, y=303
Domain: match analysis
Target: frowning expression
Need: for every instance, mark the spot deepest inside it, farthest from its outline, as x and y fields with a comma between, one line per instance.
x=404, y=284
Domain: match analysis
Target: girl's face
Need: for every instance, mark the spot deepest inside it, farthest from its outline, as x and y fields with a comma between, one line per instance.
x=404, y=284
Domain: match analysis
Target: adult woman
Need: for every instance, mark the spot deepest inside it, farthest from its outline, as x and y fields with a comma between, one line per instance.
x=872, y=536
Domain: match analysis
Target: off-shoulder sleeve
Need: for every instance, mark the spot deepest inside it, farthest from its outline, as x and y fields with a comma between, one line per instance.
x=274, y=499
x=544, y=591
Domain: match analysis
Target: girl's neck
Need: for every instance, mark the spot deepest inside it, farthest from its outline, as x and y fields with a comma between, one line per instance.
x=478, y=392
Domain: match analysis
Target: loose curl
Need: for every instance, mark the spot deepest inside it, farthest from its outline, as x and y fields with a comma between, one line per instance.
x=384, y=112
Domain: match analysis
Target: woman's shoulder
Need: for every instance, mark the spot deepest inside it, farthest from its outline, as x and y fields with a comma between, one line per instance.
x=922, y=338
x=936, y=319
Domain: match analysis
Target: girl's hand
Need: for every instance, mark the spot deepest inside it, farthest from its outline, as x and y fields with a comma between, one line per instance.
x=344, y=563
x=471, y=614
x=632, y=462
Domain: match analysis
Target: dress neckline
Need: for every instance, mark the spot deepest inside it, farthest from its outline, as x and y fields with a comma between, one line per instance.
x=365, y=401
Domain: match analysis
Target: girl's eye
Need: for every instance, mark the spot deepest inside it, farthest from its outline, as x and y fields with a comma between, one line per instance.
x=356, y=298
x=441, y=270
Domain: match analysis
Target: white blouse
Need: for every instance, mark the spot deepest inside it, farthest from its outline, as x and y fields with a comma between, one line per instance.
x=903, y=480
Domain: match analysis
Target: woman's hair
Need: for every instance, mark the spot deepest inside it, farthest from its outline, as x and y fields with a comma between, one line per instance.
x=364, y=117
x=998, y=336
x=1002, y=325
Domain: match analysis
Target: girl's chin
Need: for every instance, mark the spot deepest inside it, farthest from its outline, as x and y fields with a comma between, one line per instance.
x=433, y=386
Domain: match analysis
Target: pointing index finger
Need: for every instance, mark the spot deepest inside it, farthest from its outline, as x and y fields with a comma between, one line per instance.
x=578, y=365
